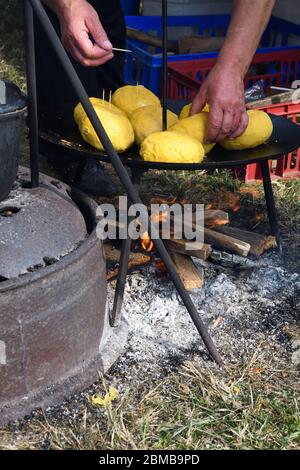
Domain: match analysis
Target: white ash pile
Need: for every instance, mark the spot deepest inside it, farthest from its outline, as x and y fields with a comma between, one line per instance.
x=244, y=308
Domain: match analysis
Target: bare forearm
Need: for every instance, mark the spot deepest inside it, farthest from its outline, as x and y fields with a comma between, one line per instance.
x=248, y=22
x=59, y=5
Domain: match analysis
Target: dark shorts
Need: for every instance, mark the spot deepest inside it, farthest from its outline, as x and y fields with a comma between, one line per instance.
x=56, y=97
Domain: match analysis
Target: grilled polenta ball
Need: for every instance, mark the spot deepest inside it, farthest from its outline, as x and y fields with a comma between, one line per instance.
x=195, y=126
x=185, y=112
x=130, y=97
x=114, y=121
x=79, y=112
x=148, y=119
x=171, y=147
x=258, y=132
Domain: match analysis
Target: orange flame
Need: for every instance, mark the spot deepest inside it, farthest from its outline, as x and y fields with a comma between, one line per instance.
x=216, y=223
x=159, y=217
x=224, y=201
x=146, y=242
x=161, y=200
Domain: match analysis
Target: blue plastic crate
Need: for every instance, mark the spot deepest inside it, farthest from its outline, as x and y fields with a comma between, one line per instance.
x=144, y=64
x=130, y=7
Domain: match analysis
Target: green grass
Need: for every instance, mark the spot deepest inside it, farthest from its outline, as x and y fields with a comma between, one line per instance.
x=11, y=48
x=247, y=406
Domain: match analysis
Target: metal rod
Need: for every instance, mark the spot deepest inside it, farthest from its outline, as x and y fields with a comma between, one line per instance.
x=272, y=214
x=32, y=96
x=122, y=174
x=116, y=313
x=165, y=63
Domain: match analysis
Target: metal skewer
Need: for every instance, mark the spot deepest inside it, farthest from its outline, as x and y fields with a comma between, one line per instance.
x=121, y=50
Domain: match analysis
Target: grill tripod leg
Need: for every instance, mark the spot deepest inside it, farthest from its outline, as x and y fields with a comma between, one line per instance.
x=272, y=214
x=116, y=313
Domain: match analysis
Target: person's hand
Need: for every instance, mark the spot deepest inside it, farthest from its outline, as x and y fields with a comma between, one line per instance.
x=223, y=90
x=82, y=33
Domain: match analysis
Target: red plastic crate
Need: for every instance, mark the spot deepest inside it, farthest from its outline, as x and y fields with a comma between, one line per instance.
x=184, y=79
x=288, y=165
x=279, y=68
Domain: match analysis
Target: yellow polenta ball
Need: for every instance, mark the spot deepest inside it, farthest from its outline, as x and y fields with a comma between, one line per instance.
x=185, y=112
x=116, y=125
x=148, y=119
x=195, y=126
x=259, y=130
x=171, y=147
x=80, y=113
x=130, y=97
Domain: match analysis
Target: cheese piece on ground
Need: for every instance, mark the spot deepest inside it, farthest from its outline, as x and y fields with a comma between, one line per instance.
x=195, y=126
x=185, y=112
x=148, y=119
x=130, y=97
x=258, y=132
x=116, y=125
x=171, y=147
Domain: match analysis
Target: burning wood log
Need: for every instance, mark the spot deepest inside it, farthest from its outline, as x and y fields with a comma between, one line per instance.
x=113, y=258
x=215, y=218
x=226, y=242
x=212, y=217
x=184, y=247
x=258, y=243
x=191, y=277
x=221, y=241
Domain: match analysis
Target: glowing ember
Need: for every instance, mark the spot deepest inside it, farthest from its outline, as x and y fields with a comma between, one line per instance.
x=226, y=200
x=160, y=266
x=259, y=216
x=146, y=242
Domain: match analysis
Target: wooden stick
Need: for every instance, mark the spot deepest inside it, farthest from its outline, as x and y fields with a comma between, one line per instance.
x=274, y=99
x=215, y=217
x=258, y=243
x=226, y=242
x=112, y=255
x=197, y=44
x=149, y=39
x=184, y=247
x=191, y=277
x=221, y=241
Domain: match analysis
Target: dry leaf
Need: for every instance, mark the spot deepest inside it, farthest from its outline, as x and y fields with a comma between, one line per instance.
x=110, y=396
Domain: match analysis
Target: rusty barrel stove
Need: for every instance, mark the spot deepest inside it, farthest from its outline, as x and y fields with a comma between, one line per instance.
x=55, y=336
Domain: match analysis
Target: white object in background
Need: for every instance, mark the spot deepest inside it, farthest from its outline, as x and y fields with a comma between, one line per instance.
x=2, y=92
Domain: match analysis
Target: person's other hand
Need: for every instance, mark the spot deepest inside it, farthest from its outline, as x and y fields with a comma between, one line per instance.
x=223, y=90
x=83, y=35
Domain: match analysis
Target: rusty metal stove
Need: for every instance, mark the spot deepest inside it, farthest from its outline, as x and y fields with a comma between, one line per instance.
x=54, y=329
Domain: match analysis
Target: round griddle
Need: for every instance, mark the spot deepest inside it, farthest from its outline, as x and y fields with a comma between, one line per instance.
x=285, y=139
